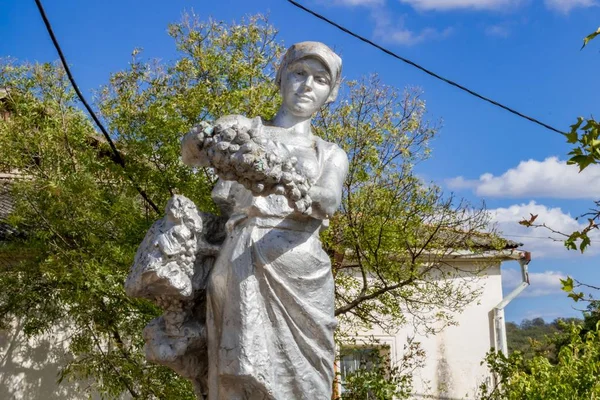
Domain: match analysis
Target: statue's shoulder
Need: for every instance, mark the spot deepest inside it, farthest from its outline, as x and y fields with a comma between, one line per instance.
x=331, y=150
x=236, y=119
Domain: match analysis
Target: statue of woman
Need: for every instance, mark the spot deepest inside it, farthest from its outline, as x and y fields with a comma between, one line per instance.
x=270, y=294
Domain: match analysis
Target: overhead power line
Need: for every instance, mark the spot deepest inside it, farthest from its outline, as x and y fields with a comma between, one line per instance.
x=427, y=71
x=118, y=159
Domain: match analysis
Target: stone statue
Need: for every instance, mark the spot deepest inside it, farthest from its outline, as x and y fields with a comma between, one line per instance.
x=249, y=295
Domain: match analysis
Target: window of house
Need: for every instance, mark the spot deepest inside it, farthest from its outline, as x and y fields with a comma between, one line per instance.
x=355, y=358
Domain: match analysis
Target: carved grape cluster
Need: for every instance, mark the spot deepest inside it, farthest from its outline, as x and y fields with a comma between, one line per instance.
x=244, y=155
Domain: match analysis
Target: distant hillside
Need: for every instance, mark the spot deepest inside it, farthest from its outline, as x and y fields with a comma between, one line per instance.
x=521, y=335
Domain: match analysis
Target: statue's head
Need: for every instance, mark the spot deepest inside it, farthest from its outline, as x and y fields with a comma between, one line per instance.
x=309, y=77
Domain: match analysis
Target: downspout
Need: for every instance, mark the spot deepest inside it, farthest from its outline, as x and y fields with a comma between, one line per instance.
x=499, y=323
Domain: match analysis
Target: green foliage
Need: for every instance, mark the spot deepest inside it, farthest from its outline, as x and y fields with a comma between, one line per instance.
x=222, y=69
x=586, y=136
x=83, y=221
x=591, y=316
x=530, y=337
x=377, y=380
x=572, y=287
x=574, y=375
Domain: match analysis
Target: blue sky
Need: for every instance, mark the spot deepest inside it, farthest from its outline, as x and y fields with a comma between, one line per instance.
x=524, y=53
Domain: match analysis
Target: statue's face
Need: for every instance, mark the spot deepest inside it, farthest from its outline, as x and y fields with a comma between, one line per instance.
x=305, y=87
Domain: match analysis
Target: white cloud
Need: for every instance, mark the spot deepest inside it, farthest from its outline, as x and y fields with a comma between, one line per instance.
x=444, y=5
x=561, y=6
x=551, y=178
x=398, y=33
x=565, y=6
x=502, y=31
x=541, y=283
x=403, y=36
x=540, y=241
x=353, y=3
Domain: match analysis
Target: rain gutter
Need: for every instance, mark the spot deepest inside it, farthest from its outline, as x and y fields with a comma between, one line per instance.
x=523, y=258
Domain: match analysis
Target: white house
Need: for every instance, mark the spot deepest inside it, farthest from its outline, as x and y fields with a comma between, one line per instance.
x=453, y=357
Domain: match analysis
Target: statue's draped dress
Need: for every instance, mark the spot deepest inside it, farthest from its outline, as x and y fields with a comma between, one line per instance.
x=270, y=315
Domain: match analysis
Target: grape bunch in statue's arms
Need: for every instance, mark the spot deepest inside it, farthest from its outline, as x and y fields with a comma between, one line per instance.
x=240, y=152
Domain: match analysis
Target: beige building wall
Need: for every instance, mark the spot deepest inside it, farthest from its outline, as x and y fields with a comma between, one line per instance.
x=30, y=368
x=453, y=367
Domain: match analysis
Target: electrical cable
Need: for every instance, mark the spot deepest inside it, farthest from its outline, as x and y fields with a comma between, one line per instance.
x=118, y=159
x=427, y=71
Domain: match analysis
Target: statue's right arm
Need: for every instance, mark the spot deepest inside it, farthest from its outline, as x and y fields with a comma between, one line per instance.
x=326, y=194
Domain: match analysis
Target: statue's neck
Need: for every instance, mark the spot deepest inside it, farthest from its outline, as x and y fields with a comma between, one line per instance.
x=297, y=125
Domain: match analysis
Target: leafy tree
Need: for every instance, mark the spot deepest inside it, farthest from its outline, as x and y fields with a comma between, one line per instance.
x=591, y=317
x=83, y=216
x=573, y=376
x=530, y=337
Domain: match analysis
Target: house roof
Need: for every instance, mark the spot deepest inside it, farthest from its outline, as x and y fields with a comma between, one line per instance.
x=476, y=241
x=476, y=245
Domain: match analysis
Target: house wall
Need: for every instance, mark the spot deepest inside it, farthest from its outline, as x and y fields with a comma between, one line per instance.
x=30, y=368
x=453, y=367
